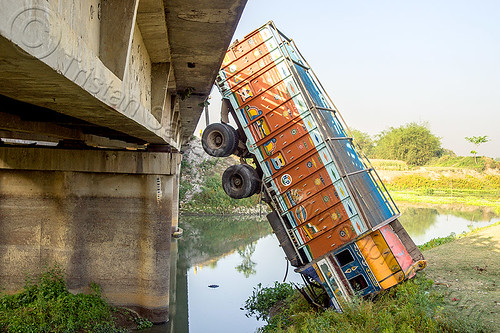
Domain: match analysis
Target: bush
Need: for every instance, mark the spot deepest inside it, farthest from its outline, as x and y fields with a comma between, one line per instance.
x=413, y=143
x=46, y=305
x=264, y=299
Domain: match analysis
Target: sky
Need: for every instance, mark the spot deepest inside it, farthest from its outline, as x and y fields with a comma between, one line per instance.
x=389, y=63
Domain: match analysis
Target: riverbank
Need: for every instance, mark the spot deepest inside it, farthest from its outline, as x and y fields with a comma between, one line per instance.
x=467, y=270
x=457, y=292
x=442, y=185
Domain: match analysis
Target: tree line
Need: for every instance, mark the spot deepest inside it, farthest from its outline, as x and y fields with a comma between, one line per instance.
x=413, y=143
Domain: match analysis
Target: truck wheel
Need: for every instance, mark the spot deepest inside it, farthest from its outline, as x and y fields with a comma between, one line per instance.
x=256, y=182
x=240, y=181
x=219, y=140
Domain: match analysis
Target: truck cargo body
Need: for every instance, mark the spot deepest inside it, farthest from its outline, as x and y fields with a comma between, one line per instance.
x=338, y=224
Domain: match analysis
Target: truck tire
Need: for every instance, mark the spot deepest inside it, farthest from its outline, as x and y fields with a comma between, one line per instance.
x=219, y=140
x=240, y=181
x=256, y=181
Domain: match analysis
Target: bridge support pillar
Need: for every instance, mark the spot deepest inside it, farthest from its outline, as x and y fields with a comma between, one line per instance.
x=104, y=216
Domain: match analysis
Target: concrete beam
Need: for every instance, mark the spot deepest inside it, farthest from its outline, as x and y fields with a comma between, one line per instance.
x=159, y=81
x=10, y=122
x=99, y=161
x=151, y=21
x=29, y=80
x=13, y=127
x=117, y=24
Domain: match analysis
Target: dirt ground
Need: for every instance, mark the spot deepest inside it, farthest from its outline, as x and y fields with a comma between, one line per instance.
x=469, y=269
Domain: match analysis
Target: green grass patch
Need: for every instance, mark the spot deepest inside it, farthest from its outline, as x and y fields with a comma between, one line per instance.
x=467, y=190
x=467, y=182
x=264, y=299
x=413, y=306
x=46, y=305
x=418, y=197
x=465, y=162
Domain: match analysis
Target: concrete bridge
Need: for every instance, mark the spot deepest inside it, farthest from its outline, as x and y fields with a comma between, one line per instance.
x=106, y=92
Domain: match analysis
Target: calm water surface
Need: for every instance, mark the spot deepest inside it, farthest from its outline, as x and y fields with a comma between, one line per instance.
x=424, y=224
x=233, y=255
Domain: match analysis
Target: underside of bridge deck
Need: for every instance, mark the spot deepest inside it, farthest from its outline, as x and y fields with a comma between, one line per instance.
x=106, y=91
x=134, y=71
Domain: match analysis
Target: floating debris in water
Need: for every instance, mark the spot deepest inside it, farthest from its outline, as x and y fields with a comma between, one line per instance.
x=213, y=286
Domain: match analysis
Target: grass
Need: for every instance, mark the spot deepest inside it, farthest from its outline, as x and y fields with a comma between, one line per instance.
x=264, y=299
x=46, y=305
x=414, y=181
x=467, y=190
x=445, y=162
x=465, y=162
x=413, y=306
x=467, y=270
x=417, y=197
x=389, y=165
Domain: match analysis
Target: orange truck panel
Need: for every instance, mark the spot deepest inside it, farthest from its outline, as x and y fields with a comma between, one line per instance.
x=380, y=259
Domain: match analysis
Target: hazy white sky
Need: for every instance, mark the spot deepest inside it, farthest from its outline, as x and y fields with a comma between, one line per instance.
x=388, y=63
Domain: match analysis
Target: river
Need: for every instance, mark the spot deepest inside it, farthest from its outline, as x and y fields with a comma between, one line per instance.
x=218, y=262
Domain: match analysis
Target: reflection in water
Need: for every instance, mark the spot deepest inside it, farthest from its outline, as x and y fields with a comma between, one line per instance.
x=424, y=224
x=238, y=253
x=208, y=238
x=247, y=266
x=418, y=220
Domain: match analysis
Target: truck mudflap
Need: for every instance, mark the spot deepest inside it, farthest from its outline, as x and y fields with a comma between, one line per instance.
x=331, y=213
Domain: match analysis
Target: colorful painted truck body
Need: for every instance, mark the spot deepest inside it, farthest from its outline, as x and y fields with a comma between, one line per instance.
x=338, y=224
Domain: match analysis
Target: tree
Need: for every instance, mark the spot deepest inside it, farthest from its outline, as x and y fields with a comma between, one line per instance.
x=364, y=141
x=413, y=143
x=476, y=140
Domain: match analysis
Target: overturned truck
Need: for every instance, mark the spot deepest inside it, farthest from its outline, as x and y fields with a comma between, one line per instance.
x=332, y=215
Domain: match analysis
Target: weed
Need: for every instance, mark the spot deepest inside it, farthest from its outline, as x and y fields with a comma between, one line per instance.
x=389, y=165
x=142, y=323
x=46, y=305
x=263, y=299
x=468, y=162
x=480, y=199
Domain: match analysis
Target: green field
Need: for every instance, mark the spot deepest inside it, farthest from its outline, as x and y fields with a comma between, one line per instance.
x=448, y=180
